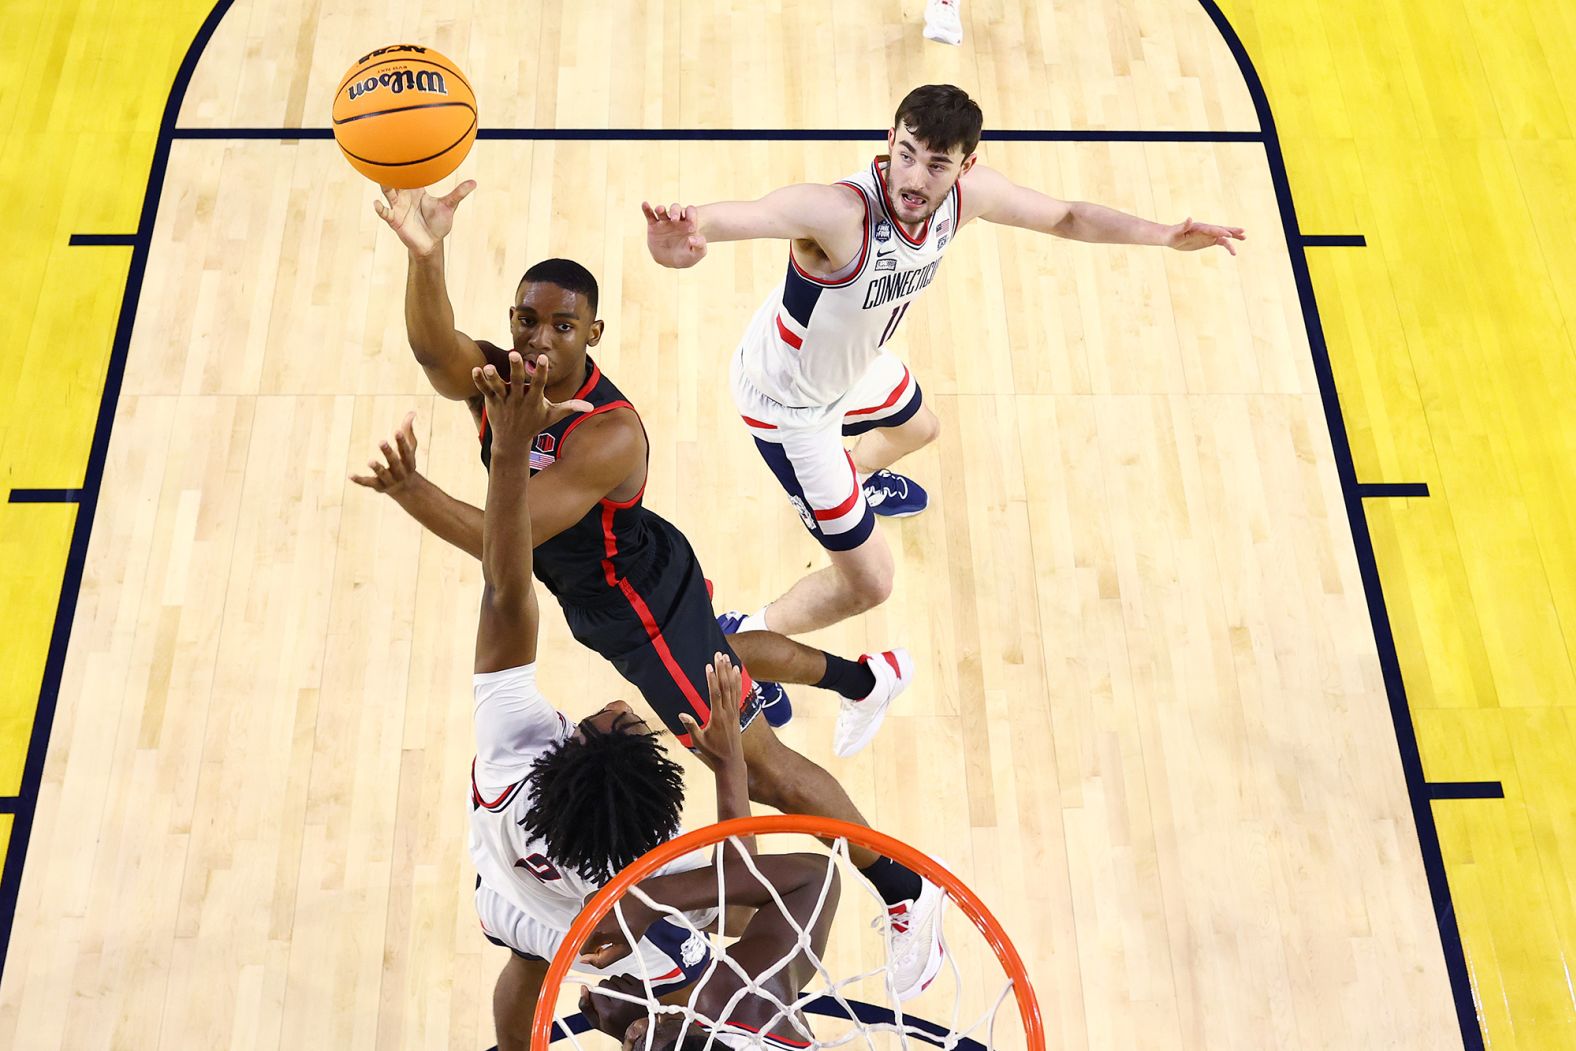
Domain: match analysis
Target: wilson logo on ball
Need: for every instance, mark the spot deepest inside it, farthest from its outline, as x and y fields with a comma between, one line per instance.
x=400, y=81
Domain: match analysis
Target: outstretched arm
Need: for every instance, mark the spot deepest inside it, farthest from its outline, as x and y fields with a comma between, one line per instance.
x=830, y=217
x=560, y=495
x=422, y=222
x=991, y=196
x=519, y=410
x=720, y=743
x=506, y=630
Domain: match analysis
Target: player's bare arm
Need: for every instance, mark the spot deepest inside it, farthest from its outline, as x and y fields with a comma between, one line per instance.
x=720, y=743
x=607, y=457
x=990, y=195
x=825, y=224
x=696, y=890
x=421, y=222
x=518, y=409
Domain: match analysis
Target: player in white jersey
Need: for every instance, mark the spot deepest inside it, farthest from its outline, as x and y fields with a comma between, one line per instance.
x=556, y=806
x=814, y=368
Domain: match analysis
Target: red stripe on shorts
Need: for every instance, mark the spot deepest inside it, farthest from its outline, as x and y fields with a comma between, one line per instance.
x=897, y=392
x=658, y=643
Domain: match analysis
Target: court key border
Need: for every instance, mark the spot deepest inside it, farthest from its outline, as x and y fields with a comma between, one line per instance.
x=1406, y=740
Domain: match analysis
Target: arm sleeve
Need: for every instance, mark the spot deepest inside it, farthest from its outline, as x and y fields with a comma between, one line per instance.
x=514, y=724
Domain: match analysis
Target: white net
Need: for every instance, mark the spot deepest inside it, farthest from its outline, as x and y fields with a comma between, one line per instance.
x=854, y=1003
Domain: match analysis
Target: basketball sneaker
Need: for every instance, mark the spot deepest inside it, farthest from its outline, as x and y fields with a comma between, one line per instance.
x=775, y=704
x=917, y=951
x=942, y=23
x=894, y=495
x=858, y=721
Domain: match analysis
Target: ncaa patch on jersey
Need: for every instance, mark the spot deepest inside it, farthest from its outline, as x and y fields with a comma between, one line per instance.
x=883, y=231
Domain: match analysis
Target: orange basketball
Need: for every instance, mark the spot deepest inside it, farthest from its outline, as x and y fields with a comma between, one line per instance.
x=404, y=116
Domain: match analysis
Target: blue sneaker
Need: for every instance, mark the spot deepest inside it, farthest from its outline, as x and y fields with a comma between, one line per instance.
x=894, y=495
x=775, y=704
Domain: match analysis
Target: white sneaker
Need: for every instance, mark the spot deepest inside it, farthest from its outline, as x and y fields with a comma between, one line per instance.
x=917, y=952
x=942, y=23
x=858, y=721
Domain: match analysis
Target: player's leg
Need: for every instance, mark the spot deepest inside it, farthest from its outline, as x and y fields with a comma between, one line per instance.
x=804, y=450
x=867, y=686
x=884, y=446
x=530, y=943
x=818, y=475
x=887, y=417
x=514, y=1001
x=858, y=579
x=780, y=777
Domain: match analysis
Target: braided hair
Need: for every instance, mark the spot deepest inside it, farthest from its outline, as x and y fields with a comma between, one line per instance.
x=602, y=799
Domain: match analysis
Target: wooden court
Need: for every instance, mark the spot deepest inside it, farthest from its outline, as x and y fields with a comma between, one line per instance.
x=1153, y=727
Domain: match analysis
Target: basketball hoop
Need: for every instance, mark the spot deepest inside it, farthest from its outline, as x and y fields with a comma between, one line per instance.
x=836, y=836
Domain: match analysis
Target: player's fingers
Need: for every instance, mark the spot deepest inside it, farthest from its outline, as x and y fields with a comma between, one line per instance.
x=405, y=437
x=690, y=214
x=361, y=479
x=519, y=375
x=536, y=380
x=489, y=382
x=648, y=212
x=459, y=193
x=675, y=212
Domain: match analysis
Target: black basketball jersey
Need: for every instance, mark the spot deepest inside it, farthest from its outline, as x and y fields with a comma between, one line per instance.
x=585, y=562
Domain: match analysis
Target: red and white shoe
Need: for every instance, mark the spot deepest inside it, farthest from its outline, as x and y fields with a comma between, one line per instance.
x=858, y=721
x=916, y=952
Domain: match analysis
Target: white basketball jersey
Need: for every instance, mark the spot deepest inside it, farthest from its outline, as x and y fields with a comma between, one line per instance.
x=514, y=725
x=813, y=339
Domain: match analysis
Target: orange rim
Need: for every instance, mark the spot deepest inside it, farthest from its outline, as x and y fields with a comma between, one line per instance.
x=859, y=835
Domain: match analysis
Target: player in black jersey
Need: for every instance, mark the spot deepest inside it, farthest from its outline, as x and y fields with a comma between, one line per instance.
x=628, y=581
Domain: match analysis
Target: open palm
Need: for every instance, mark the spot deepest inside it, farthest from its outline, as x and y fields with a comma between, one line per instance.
x=421, y=220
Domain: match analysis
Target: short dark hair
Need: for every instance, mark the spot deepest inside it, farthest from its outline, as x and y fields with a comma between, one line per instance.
x=567, y=275
x=943, y=117
x=604, y=798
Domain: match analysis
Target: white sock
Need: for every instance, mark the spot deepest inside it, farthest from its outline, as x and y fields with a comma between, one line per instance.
x=755, y=621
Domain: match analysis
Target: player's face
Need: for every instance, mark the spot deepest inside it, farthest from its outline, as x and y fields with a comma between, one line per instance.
x=615, y=715
x=918, y=177
x=547, y=319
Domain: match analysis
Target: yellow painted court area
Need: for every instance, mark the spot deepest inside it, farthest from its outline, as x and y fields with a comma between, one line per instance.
x=85, y=85
x=1441, y=130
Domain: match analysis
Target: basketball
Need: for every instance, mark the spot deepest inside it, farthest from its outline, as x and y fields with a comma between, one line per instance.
x=404, y=116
